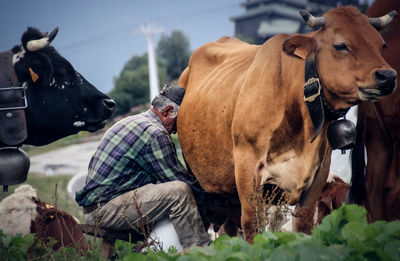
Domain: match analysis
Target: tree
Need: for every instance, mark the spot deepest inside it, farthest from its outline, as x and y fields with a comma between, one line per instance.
x=131, y=88
x=175, y=50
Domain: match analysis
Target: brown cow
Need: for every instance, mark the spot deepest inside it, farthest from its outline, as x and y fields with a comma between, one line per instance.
x=332, y=197
x=379, y=129
x=244, y=117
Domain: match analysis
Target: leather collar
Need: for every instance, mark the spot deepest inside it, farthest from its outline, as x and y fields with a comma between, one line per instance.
x=318, y=107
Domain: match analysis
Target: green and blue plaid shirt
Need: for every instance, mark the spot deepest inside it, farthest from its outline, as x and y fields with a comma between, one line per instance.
x=134, y=152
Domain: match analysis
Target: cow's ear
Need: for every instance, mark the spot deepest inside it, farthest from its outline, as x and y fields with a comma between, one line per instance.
x=40, y=69
x=299, y=46
x=34, y=76
x=35, y=67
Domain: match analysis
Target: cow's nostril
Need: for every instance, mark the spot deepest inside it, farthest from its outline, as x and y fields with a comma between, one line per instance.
x=110, y=104
x=385, y=77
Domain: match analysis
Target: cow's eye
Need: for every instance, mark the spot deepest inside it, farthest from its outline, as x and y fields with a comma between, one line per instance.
x=384, y=47
x=341, y=47
x=61, y=71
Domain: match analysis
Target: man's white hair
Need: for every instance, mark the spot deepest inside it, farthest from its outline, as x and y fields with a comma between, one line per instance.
x=160, y=102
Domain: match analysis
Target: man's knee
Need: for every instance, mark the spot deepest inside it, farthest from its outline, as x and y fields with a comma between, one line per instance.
x=181, y=188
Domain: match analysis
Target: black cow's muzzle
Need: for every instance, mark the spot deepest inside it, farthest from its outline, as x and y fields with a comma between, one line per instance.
x=109, y=104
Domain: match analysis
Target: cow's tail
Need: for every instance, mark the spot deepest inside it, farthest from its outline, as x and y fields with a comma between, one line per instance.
x=358, y=166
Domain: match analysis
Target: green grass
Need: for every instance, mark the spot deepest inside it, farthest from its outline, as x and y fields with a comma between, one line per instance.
x=70, y=140
x=80, y=137
x=53, y=191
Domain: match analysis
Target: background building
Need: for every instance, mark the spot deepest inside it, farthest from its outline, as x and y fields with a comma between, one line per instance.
x=265, y=18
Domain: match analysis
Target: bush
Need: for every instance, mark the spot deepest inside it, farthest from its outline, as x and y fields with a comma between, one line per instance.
x=15, y=248
x=343, y=235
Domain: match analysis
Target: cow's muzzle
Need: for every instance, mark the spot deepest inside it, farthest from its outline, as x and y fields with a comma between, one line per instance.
x=109, y=104
x=386, y=81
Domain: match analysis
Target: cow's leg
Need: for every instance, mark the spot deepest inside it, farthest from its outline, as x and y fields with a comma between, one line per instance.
x=378, y=155
x=392, y=187
x=245, y=171
x=303, y=217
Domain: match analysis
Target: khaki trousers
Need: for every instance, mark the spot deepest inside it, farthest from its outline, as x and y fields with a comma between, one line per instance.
x=173, y=199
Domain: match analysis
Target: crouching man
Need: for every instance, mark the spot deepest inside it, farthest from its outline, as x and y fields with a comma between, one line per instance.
x=136, y=165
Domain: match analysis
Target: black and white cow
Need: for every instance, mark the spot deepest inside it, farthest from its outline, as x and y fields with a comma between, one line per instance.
x=59, y=100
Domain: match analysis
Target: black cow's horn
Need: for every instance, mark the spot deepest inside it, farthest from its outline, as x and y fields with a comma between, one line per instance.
x=36, y=45
x=312, y=21
x=380, y=22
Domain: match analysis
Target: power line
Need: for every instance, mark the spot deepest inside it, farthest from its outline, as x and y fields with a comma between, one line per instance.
x=101, y=37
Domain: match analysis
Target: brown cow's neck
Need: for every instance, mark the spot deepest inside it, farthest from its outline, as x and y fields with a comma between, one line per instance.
x=330, y=113
x=319, y=108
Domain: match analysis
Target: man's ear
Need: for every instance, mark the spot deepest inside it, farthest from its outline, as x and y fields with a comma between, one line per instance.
x=299, y=46
x=167, y=110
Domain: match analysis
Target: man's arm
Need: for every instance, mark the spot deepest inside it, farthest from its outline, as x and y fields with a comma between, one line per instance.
x=162, y=161
x=164, y=165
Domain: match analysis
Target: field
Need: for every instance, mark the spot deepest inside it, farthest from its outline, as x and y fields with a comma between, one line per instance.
x=52, y=190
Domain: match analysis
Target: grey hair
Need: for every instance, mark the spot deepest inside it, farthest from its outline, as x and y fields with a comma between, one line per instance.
x=160, y=102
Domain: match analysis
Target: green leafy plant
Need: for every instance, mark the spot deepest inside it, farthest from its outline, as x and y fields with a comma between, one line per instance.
x=343, y=235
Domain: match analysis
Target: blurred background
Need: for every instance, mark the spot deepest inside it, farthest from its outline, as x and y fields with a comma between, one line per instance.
x=106, y=42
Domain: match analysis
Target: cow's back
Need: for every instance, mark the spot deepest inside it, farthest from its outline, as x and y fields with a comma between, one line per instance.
x=218, y=73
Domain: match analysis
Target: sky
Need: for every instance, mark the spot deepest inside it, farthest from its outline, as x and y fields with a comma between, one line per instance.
x=99, y=36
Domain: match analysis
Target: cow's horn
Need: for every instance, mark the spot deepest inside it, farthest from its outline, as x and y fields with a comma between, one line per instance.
x=312, y=21
x=36, y=45
x=380, y=22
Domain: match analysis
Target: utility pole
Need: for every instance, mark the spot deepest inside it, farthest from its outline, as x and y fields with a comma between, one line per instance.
x=149, y=31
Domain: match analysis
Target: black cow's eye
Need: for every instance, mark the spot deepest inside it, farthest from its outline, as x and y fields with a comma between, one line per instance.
x=341, y=47
x=61, y=71
x=384, y=47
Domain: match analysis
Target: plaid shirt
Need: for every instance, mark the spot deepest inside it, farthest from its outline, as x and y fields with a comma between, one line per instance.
x=134, y=152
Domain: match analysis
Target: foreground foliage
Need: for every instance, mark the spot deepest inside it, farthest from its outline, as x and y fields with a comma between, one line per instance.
x=343, y=235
